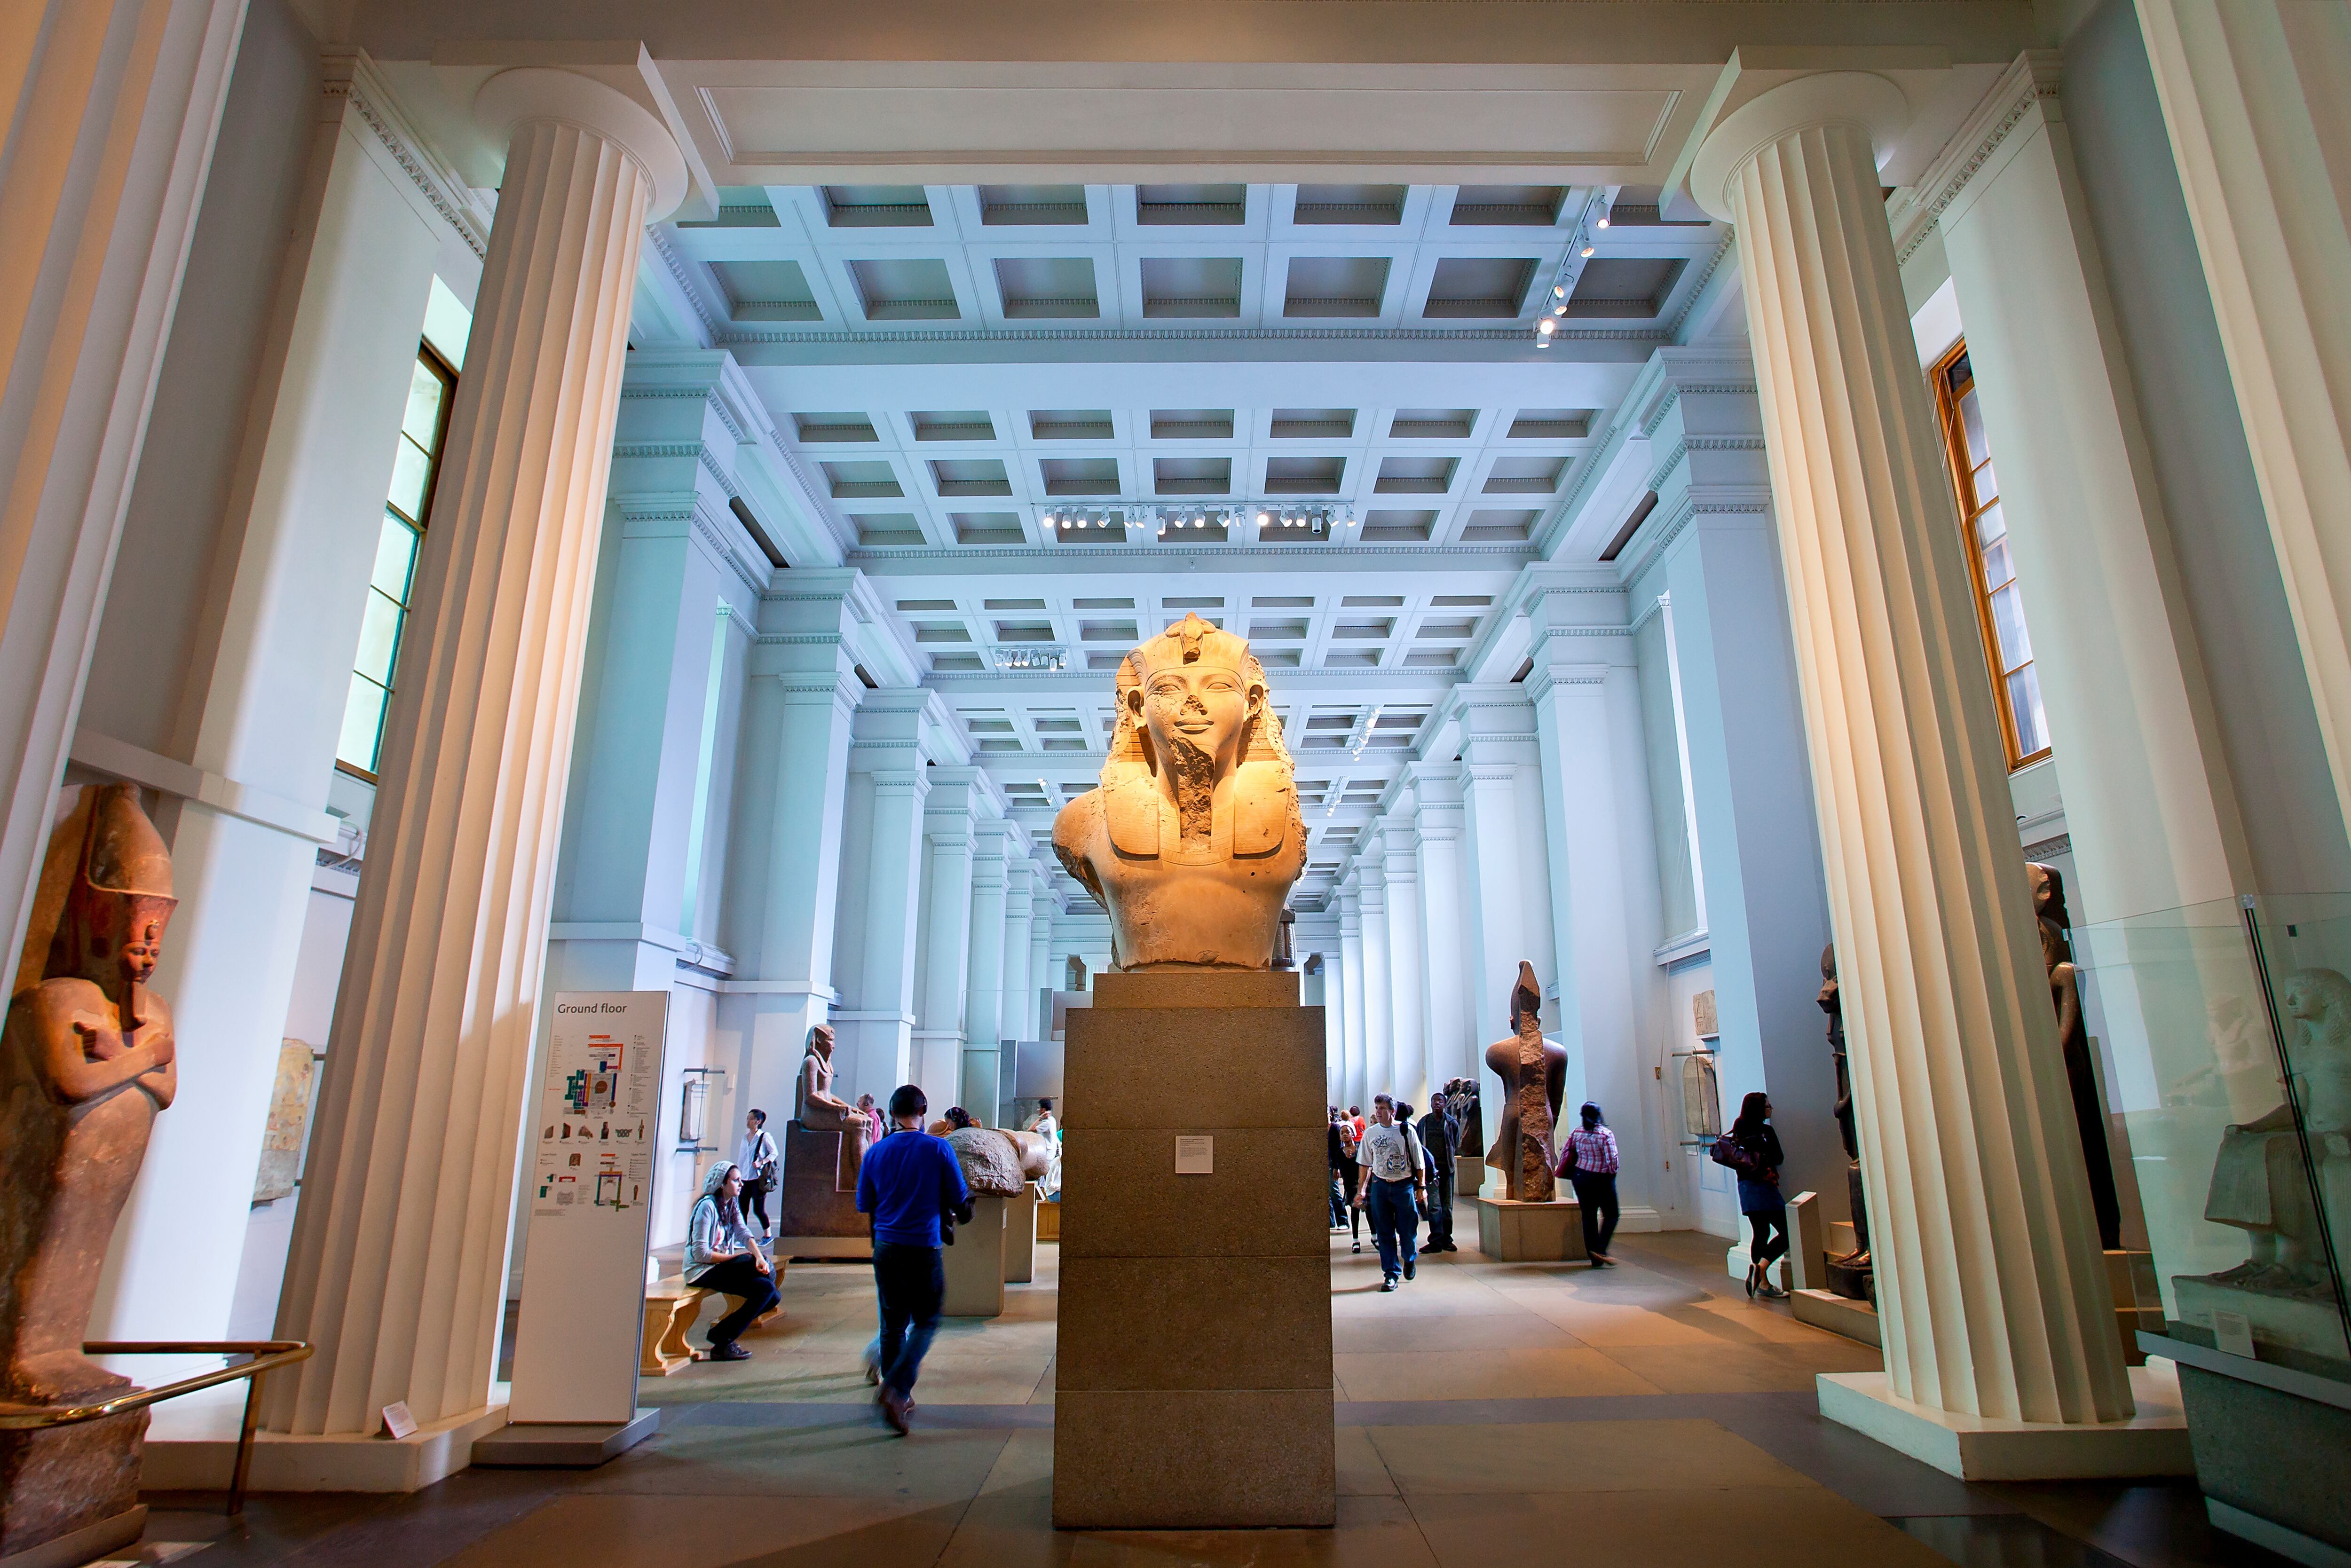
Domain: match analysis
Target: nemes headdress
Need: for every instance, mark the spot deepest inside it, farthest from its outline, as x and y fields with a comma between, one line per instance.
x=104, y=845
x=1190, y=640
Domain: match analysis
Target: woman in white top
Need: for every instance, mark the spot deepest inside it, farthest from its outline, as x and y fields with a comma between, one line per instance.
x=1045, y=1122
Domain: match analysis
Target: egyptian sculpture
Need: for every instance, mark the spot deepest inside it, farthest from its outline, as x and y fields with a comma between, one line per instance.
x=2261, y=1182
x=1193, y=838
x=1533, y=1072
x=85, y=1063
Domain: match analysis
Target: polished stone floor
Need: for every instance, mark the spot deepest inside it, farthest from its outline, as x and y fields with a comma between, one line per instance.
x=1489, y=1415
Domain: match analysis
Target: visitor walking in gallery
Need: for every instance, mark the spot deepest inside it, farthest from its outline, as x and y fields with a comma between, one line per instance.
x=1341, y=1160
x=1355, y=1120
x=721, y=1255
x=1589, y=1162
x=906, y=1182
x=1350, y=1175
x=756, y=1160
x=1437, y=1138
x=1389, y=1157
x=1759, y=1191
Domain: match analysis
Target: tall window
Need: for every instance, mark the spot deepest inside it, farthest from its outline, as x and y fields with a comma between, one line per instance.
x=2016, y=686
x=405, y=513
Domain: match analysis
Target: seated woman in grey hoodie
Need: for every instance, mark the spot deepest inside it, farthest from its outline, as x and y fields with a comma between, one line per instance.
x=722, y=1254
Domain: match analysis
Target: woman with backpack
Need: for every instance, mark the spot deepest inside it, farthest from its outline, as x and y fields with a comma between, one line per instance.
x=1757, y=1147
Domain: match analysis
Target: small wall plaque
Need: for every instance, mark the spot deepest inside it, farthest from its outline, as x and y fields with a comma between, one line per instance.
x=1196, y=1155
x=397, y=1421
x=1703, y=1015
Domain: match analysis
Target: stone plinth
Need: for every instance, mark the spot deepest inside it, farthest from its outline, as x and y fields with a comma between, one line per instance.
x=2151, y=1442
x=1509, y=1231
x=1193, y=1383
x=1838, y=1314
x=816, y=1197
x=74, y=1489
x=975, y=1264
x=1020, y=1236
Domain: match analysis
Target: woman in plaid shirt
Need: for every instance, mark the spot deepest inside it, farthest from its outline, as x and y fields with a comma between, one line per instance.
x=1589, y=1162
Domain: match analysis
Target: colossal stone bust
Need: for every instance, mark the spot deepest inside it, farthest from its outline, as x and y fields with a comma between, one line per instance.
x=1193, y=838
x=1533, y=1072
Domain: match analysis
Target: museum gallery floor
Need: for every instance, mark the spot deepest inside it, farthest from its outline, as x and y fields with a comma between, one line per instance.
x=1488, y=1415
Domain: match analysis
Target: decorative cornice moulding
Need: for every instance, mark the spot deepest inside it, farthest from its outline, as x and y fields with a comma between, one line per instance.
x=2032, y=81
x=351, y=77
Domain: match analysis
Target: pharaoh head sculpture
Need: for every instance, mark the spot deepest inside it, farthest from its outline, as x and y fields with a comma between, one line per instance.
x=1193, y=840
x=105, y=895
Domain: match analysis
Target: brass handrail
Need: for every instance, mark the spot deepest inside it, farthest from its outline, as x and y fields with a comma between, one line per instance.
x=268, y=1354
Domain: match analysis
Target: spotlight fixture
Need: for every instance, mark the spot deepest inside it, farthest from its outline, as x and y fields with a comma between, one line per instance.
x=1559, y=292
x=1587, y=250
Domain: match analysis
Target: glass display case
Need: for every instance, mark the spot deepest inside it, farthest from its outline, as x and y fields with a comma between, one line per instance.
x=2229, y=1036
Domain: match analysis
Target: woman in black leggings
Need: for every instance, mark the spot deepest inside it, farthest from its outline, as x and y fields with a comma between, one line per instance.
x=1759, y=1192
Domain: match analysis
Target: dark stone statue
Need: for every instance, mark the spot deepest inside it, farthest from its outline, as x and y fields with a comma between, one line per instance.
x=1850, y=1274
x=85, y=1063
x=1533, y=1072
x=2073, y=1039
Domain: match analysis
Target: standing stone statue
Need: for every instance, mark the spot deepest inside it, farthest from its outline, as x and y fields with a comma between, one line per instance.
x=2073, y=1039
x=1533, y=1072
x=85, y=1063
x=1850, y=1274
x=1193, y=838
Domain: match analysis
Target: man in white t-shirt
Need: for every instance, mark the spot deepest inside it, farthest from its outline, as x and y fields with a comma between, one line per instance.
x=1394, y=1186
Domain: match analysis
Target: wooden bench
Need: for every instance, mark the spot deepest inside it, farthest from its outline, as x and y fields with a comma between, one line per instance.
x=671, y=1307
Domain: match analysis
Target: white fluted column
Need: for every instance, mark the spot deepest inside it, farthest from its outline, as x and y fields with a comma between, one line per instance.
x=1019, y=928
x=1351, y=996
x=1407, y=957
x=1505, y=854
x=880, y=876
x=984, y=994
x=1991, y=1288
x=1043, y=907
x=397, y=1269
x=1447, y=1020
x=942, y=965
x=2253, y=92
x=1379, y=1001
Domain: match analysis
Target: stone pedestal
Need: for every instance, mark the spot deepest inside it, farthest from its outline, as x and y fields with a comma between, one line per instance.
x=975, y=1264
x=816, y=1197
x=1838, y=1314
x=1020, y=1236
x=69, y=1494
x=1193, y=1379
x=1509, y=1231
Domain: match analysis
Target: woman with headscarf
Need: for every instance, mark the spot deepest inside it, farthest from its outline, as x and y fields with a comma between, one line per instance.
x=1759, y=1192
x=721, y=1255
x=1588, y=1161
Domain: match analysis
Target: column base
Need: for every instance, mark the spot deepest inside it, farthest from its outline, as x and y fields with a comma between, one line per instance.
x=1978, y=1449
x=563, y=1446
x=198, y=1453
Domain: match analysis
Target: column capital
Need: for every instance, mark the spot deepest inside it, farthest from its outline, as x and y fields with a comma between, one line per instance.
x=539, y=94
x=1863, y=100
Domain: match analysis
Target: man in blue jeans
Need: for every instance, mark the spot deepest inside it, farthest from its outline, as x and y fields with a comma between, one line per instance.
x=906, y=1182
x=1394, y=1186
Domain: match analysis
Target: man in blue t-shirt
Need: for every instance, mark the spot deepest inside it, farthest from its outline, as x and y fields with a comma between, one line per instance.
x=906, y=1182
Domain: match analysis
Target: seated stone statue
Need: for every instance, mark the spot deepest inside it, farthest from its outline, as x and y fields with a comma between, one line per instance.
x=1193, y=840
x=2260, y=1184
x=816, y=1108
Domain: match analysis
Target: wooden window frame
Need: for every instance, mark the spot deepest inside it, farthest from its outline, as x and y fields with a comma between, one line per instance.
x=440, y=367
x=1958, y=464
